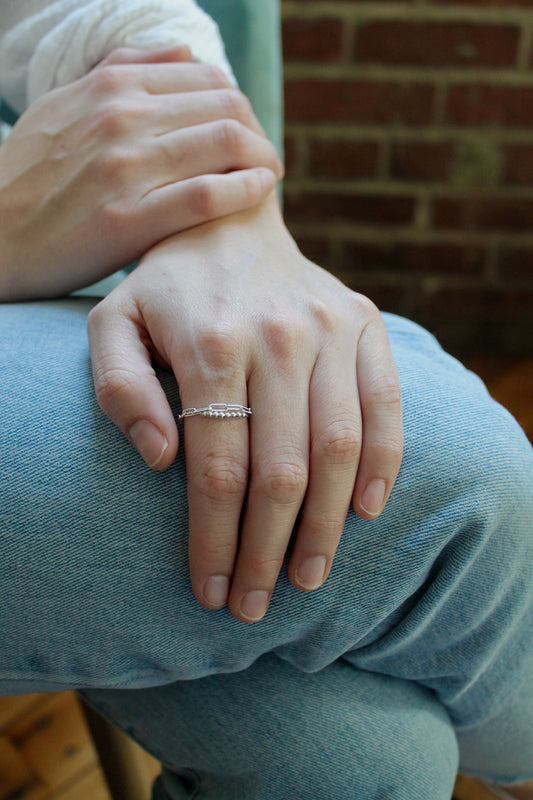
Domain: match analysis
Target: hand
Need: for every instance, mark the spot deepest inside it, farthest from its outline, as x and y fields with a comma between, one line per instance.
x=240, y=316
x=95, y=173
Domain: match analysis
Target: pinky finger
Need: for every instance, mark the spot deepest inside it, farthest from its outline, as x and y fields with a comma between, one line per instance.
x=381, y=408
x=130, y=55
x=194, y=201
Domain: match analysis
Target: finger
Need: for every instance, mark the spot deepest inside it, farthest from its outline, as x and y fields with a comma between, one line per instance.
x=126, y=386
x=165, y=78
x=186, y=204
x=381, y=405
x=211, y=148
x=335, y=424
x=130, y=55
x=173, y=112
x=279, y=431
x=216, y=453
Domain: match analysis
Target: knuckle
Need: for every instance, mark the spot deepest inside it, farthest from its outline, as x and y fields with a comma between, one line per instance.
x=285, y=481
x=215, y=77
x=221, y=478
x=108, y=80
x=219, y=351
x=213, y=552
x=325, y=529
x=111, y=383
x=284, y=335
x=339, y=443
x=388, y=450
x=230, y=135
x=386, y=392
x=263, y=566
x=115, y=219
x=111, y=121
x=202, y=199
x=325, y=315
x=95, y=316
x=119, y=55
x=363, y=306
x=117, y=166
x=252, y=190
x=235, y=104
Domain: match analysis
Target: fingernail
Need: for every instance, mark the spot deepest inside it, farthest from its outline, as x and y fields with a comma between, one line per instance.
x=148, y=441
x=216, y=590
x=254, y=605
x=281, y=169
x=374, y=497
x=310, y=573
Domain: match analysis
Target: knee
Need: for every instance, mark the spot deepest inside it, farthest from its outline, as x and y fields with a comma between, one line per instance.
x=464, y=453
x=345, y=733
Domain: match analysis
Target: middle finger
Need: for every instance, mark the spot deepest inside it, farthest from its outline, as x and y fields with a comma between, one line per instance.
x=173, y=112
x=214, y=147
x=279, y=454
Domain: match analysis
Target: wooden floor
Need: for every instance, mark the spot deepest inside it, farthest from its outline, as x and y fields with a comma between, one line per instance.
x=45, y=748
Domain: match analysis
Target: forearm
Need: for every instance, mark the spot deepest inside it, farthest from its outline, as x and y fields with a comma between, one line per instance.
x=46, y=44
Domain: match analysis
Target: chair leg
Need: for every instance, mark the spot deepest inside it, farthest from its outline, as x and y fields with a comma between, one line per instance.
x=121, y=759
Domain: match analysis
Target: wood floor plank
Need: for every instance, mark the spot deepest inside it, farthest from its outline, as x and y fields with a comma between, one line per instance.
x=54, y=742
x=15, y=774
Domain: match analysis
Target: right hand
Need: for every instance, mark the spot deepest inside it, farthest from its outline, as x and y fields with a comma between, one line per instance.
x=96, y=173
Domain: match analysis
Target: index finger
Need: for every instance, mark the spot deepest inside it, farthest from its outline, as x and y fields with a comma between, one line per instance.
x=381, y=406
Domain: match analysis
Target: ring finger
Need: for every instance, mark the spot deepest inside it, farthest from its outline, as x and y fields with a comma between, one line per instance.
x=335, y=424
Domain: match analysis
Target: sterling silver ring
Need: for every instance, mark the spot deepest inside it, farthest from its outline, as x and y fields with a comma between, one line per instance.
x=219, y=410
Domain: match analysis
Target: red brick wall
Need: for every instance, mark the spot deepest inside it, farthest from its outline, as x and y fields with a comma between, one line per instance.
x=409, y=147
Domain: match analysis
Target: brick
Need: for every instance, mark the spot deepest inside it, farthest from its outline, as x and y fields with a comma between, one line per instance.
x=344, y=100
x=469, y=320
x=422, y=161
x=310, y=3
x=329, y=206
x=486, y=104
x=291, y=157
x=485, y=213
x=516, y=263
x=315, y=248
x=414, y=258
x=340, y=158
x=490, y=3
x=437, y=44
x=393, y=297
x=312, y=39
x=495, y=305
x=518, y=164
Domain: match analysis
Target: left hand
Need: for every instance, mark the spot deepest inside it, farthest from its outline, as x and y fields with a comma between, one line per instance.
x=240, y=316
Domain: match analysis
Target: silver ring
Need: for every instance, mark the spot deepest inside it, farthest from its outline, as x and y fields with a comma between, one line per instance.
x=219, y=410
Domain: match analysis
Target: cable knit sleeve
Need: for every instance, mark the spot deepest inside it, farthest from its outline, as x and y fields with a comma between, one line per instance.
x=44, y=45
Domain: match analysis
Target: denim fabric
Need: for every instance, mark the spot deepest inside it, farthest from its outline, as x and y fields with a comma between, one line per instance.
x=419, y=643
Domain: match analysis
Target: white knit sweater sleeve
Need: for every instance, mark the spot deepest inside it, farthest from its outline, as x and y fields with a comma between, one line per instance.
x=49, y=43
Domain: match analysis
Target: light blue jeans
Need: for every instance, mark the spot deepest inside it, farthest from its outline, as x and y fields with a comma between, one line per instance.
x=414, y=659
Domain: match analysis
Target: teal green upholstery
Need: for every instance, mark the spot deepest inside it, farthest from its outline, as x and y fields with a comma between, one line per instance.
x=251, y=32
